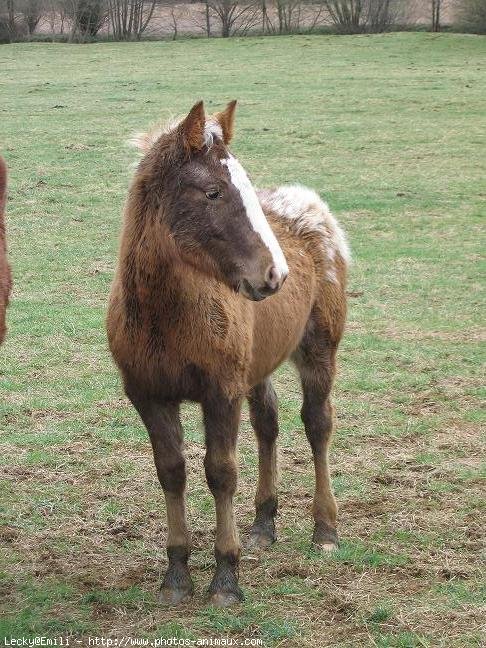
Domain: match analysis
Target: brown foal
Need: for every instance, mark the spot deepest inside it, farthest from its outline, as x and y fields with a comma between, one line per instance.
x=216, y=286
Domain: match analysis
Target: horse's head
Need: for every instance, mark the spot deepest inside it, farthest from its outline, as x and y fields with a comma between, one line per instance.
x=211, y=208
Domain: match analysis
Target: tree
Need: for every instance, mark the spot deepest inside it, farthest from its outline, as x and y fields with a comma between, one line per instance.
x=11, y=17
x=346, y=15
x=31, y=11
x=358, y=16
x=55, y=14
x=381, y=15
x=176, y=11
x=289, y=15
x=12, y=23
x=436, y=8
x=472, y=16
x=207, y=16
x=87, y=16
x=235, y=15
x=130, y=18
x=266, y=22
x=201, y=17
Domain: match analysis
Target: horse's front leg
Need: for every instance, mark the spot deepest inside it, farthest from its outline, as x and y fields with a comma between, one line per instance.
x=166, y=435
x=221, y=421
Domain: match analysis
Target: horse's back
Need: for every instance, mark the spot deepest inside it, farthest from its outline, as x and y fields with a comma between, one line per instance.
x=300, y=211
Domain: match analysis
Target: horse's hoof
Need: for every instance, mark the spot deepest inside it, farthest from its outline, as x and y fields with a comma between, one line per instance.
x=260, y=541
x=324, y=538
x=262, y=534
x=325, y=547
x=226, y=599
x=171, y=596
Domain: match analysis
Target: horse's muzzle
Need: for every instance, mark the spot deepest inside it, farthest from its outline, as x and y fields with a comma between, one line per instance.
x=257, y=294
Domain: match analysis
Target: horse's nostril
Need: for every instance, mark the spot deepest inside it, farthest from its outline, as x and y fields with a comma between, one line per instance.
x=272, y=278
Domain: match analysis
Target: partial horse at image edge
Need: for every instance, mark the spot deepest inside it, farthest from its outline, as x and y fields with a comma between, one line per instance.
x=5, y=275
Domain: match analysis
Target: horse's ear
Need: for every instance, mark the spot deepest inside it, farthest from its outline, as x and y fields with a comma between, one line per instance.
x=226, y=120
x=193, y=127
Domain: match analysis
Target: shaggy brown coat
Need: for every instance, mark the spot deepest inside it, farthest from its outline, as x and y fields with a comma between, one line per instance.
x=179, y=330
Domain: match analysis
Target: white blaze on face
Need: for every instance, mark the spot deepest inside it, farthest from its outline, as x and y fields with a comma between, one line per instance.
x=255, y=213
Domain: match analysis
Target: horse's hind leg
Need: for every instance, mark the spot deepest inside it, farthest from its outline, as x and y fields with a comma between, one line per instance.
x=264, y=419
x=315, y=360
x=166, y=435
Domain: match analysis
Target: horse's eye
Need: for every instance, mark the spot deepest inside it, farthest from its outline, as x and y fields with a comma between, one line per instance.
x=212, y=195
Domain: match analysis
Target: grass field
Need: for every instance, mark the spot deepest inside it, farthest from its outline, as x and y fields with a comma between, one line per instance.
x=390, y=129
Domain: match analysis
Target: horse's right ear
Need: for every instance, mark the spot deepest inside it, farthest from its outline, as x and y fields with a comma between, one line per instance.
x=193, y=127
x=226, y=120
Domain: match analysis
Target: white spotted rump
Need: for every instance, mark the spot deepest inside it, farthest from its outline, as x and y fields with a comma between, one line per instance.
x=255, y=213
x=307, y=212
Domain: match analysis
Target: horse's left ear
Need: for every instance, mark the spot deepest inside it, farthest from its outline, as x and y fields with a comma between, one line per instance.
x=226, y=120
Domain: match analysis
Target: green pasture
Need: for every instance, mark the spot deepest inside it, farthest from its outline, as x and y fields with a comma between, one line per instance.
x=390, y=129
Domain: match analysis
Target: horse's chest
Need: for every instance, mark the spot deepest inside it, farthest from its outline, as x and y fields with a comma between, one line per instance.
x=194, y=348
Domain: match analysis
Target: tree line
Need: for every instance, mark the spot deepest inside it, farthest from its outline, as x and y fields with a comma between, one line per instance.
x=85, y=20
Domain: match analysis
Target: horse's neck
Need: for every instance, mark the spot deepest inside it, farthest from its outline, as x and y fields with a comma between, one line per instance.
x=153, y=272
x=153, y=275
